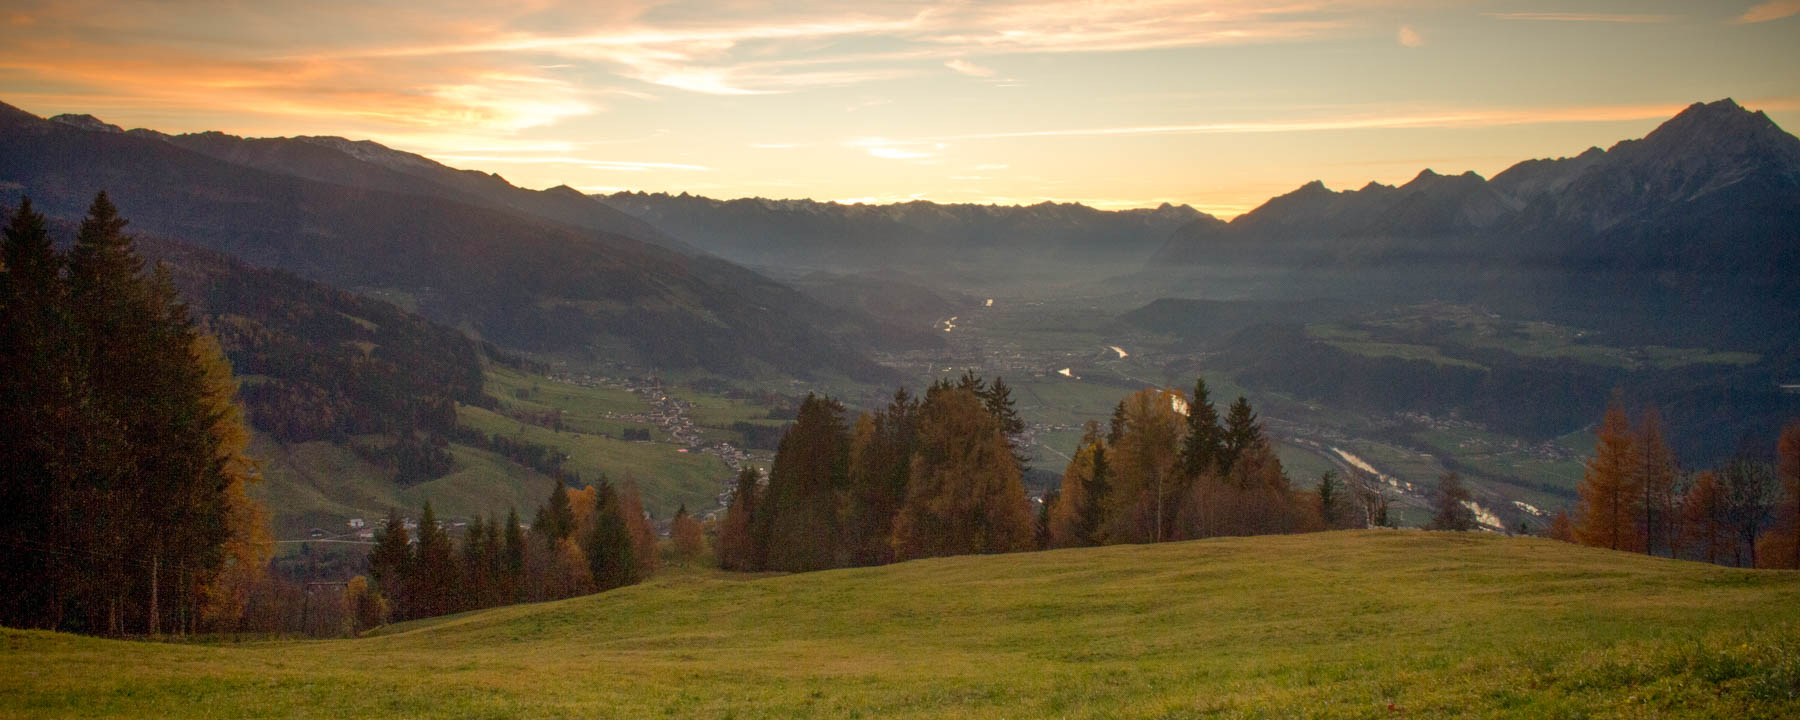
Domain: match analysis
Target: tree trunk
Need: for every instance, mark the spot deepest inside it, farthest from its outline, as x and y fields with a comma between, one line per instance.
x=155, y=573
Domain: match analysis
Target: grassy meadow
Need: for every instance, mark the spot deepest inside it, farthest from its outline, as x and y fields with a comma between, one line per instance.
x=1349, y=624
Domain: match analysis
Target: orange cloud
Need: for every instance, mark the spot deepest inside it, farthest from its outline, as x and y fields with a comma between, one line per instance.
x=1774, y=10
x=1582, y=17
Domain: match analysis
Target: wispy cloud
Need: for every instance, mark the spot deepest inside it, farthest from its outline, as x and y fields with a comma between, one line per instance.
x=1410, y=37
x=1448, y=118
x=1582, y=17
x=968, y=68
x=1773, y=10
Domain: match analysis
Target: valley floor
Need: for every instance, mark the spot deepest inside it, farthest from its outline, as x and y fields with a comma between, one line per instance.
x=1350, y=624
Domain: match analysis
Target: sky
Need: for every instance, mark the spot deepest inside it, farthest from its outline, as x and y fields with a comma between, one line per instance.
x=1217, y=104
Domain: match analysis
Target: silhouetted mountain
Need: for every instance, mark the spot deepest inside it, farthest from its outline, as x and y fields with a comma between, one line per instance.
x=516, y=279
x=1700, y=218
x=368, y=165
x=916, y=236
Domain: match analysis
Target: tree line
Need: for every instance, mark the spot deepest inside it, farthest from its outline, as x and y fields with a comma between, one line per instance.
x=580, y=541
x=941, y=475
x=122, y=473
x=1635, y=497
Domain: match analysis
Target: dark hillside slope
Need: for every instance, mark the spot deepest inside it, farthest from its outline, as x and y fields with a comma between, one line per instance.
x=519, y=281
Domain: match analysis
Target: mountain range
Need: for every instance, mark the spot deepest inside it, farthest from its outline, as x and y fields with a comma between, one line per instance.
x=550, y=272
x=1699, y=220
x=965, y=245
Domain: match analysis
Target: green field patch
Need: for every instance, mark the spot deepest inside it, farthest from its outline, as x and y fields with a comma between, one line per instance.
x=667, y=476
x=1402, y=351
x=1332, y=625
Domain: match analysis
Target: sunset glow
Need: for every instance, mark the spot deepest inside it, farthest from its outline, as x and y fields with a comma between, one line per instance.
x=1116, y=104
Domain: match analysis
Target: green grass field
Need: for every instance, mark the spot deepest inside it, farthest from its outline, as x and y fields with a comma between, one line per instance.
x=667, y=477
x=1371, y=624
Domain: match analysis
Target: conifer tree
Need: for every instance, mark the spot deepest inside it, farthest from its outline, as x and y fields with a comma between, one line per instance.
x=390, y=563
x=1099, y=498
x=880, y=455
x=1116, y=428
x=643, y=534
x=611, y=554
x=999, y=403
x=512, y=553
x=1331, y=499
x=688, y=537
x=1205, y=439
x=1147, y=484
x=799, y=513
x=964, y=494
x=1448, y=511
x=1242, y=432
x=1784, y=546
x=1706, y=517
x=738, y=548
x=435, y=575
x=555, y=520
x=1607, y=514
x=1655, y=482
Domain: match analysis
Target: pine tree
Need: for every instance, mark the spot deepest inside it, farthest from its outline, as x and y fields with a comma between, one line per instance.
x=880, y=455
x=1330, y=499
x=738, y=548
x=1200, y=453
x=1116, y=428
x=513, y=555
x=1655, y=482
x=611, y=554
x=688, y=537
x=999, y=403
x=1448, y=511
x=391, y=562
x=476, y=583
x=1607, y=514
x=799, y=514
x=1242, y=432
x=1099, y=498
x=555, y=520
x=435, y=575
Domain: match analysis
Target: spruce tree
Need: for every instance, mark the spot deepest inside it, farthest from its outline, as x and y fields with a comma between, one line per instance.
x=611, y=556
x=799, y=516
x=390, y=564
x=738, y=549
x=556, y=520
x=1094, y=506
x=1116, y=429
x=1448, y=510
x=1242, y=432
x=435, y=575
x=1330, y=499
x=513, y=555
x=1205, y=439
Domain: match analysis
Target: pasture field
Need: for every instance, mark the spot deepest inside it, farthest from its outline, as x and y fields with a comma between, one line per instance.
x=1367, y=624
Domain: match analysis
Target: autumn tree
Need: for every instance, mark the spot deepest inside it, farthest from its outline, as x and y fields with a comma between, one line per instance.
x=686, y=534
x=555, y=520
x=1607, y=514
x=738, y=549
x=1562, y=527
x=1145, y=472
x=1448, y=508
x=1780, y=546
x=964, y=493
x=1749, y=485
x=1081, y=504
x=1655, y=483
x=637, y=520
x=1706, y=518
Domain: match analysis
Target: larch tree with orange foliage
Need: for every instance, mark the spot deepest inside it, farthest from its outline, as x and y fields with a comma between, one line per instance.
x=1780, y=546
x=1656, y=476
x=964, y=494
x=1706, y=518
x=1607, y=515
